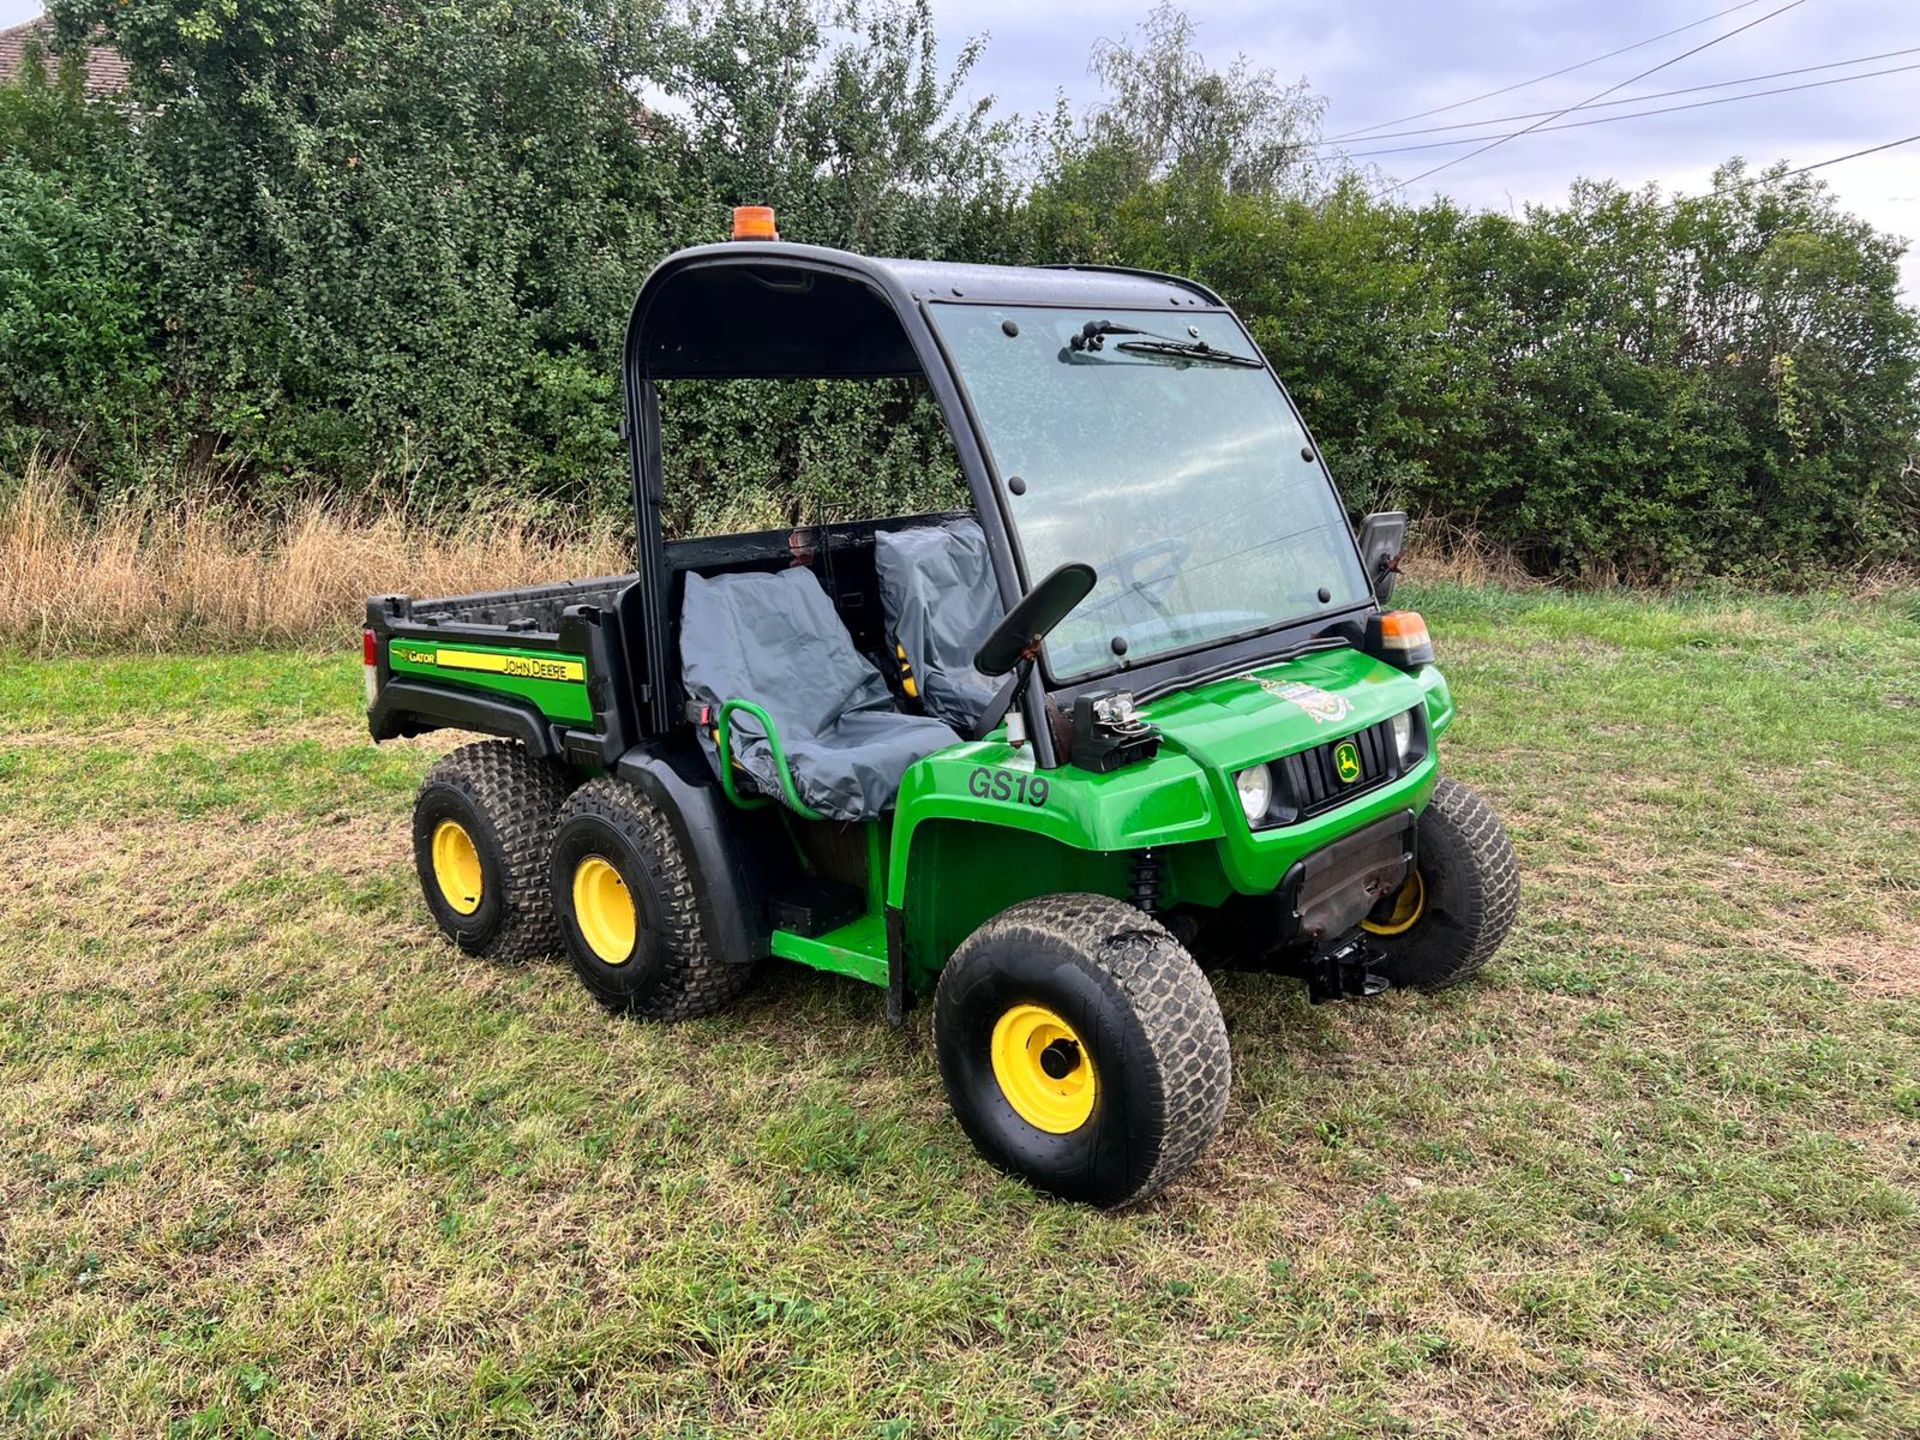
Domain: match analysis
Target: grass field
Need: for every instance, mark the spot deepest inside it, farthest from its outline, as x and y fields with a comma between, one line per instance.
x=274, y=1160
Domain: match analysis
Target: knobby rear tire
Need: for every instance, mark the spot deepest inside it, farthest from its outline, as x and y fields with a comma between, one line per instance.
x=506, y=801
x=672, y=972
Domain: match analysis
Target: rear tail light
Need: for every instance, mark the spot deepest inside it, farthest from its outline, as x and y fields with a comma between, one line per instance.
x=1400, y=638
x=370, y=659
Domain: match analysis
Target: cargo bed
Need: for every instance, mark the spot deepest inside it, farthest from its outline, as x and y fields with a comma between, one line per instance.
x=531, y=607
x=563, y=668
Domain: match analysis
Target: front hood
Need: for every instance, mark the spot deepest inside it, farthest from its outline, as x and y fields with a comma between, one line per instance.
x=1229, y=724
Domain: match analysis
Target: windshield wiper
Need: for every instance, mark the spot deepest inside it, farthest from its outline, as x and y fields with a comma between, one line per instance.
x=1092, y=337
x=1188, y=350
x=1093, y=334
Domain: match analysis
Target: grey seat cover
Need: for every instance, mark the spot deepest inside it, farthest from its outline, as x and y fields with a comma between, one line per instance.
x=941, y=601
x=777, y=640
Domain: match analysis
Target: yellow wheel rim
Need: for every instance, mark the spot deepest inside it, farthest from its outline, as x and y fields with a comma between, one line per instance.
x=1409, y=904
x=603, y=908
x=456, y=867
x=1043, y=1068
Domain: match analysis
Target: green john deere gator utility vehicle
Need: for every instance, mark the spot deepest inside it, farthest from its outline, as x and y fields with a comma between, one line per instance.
x=1140, y=702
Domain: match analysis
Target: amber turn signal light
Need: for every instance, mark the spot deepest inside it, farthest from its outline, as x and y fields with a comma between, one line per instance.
x=1400, y=638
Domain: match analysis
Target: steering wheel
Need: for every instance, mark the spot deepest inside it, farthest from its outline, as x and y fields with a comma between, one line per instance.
x=1125, y=567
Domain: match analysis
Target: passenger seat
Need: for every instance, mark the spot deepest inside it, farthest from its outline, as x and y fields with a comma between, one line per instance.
x=777, y=641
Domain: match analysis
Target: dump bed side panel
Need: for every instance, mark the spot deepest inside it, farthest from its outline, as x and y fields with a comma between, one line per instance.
x=563, y=688
x=554, y=681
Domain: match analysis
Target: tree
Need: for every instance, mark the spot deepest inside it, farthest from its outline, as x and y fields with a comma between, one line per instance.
x=391, y=245
x=840, y=115
x=1167, y=116
x=78, y=345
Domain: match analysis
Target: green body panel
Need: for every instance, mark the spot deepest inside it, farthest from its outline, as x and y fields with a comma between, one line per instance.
x=963, y=873
x=973, y=833
x=1185, y=794
x=1165, y=801
x=858, y=949
x=1228, y=725
x=519, y=673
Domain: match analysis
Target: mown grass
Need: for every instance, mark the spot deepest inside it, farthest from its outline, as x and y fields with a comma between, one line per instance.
x=275, y=1160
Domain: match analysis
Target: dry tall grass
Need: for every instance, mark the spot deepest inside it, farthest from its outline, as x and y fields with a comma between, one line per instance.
x=198, y=575
x=1439, y=552
x=195, y=575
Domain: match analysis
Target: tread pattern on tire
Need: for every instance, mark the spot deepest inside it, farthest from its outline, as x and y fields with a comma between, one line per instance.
x=1186, y=1036
x=520, y=796
x=694, y=981
x=1493, y=890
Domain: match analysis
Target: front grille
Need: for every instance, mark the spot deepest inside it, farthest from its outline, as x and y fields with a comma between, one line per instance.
x=1308, y=783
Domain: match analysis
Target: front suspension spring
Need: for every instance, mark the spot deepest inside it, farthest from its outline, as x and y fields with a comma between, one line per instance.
x=1144, y=889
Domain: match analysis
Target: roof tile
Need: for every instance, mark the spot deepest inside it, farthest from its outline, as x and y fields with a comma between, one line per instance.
x=106, y=67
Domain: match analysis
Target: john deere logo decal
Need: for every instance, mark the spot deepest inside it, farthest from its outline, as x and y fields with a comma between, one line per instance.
x=1322, y=706
x=1346, y=760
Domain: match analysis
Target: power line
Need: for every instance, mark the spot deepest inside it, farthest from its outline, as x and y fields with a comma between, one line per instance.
x=1550, y=75
x=1636, y=99
x=1600, y=95
x=1680, y=200
x=1748, y=184
x=1640, y=114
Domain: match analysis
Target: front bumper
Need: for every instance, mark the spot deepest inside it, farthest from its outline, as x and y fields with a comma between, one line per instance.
x=1257, y=862
x=1323, y=896
x=1331, y=891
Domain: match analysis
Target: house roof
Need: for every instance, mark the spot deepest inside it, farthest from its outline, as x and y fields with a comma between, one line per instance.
x=106, y=67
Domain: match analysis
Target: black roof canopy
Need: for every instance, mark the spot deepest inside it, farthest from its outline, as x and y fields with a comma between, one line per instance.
x=771, y=310
x=767, y=310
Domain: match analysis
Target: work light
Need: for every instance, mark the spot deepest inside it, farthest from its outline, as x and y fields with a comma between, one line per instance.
x=1256, y=791
x=1403, y=736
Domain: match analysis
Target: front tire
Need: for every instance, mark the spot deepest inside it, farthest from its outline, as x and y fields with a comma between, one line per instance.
x=624, y=894
x=481, y=824
x=1082, y=1048
x=1445, y=923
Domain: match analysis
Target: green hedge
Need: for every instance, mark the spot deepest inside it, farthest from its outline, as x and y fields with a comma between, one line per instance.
x=387, y=248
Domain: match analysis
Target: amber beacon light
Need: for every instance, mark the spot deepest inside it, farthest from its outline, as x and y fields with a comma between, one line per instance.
x=754, y=222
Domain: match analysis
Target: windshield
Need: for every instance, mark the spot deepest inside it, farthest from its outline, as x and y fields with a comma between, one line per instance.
x=1142, y=443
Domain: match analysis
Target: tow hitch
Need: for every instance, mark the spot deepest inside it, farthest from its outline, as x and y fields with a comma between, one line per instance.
x=1344, y=973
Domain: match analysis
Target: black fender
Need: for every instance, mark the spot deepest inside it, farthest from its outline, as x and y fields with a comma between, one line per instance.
x=407, y=707
x=727, y=886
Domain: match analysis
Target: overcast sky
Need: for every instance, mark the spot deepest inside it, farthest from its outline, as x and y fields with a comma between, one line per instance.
x=1376, y=60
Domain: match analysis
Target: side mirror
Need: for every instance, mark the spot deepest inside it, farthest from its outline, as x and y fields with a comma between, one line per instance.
x=1016, y=637
x=1383, y=536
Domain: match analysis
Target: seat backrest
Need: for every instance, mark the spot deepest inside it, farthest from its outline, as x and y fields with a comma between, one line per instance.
x=937, y=585
x=775, y=639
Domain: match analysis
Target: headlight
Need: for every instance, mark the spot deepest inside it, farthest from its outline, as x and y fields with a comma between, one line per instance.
x=1256, y=792
x=1403, y=735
